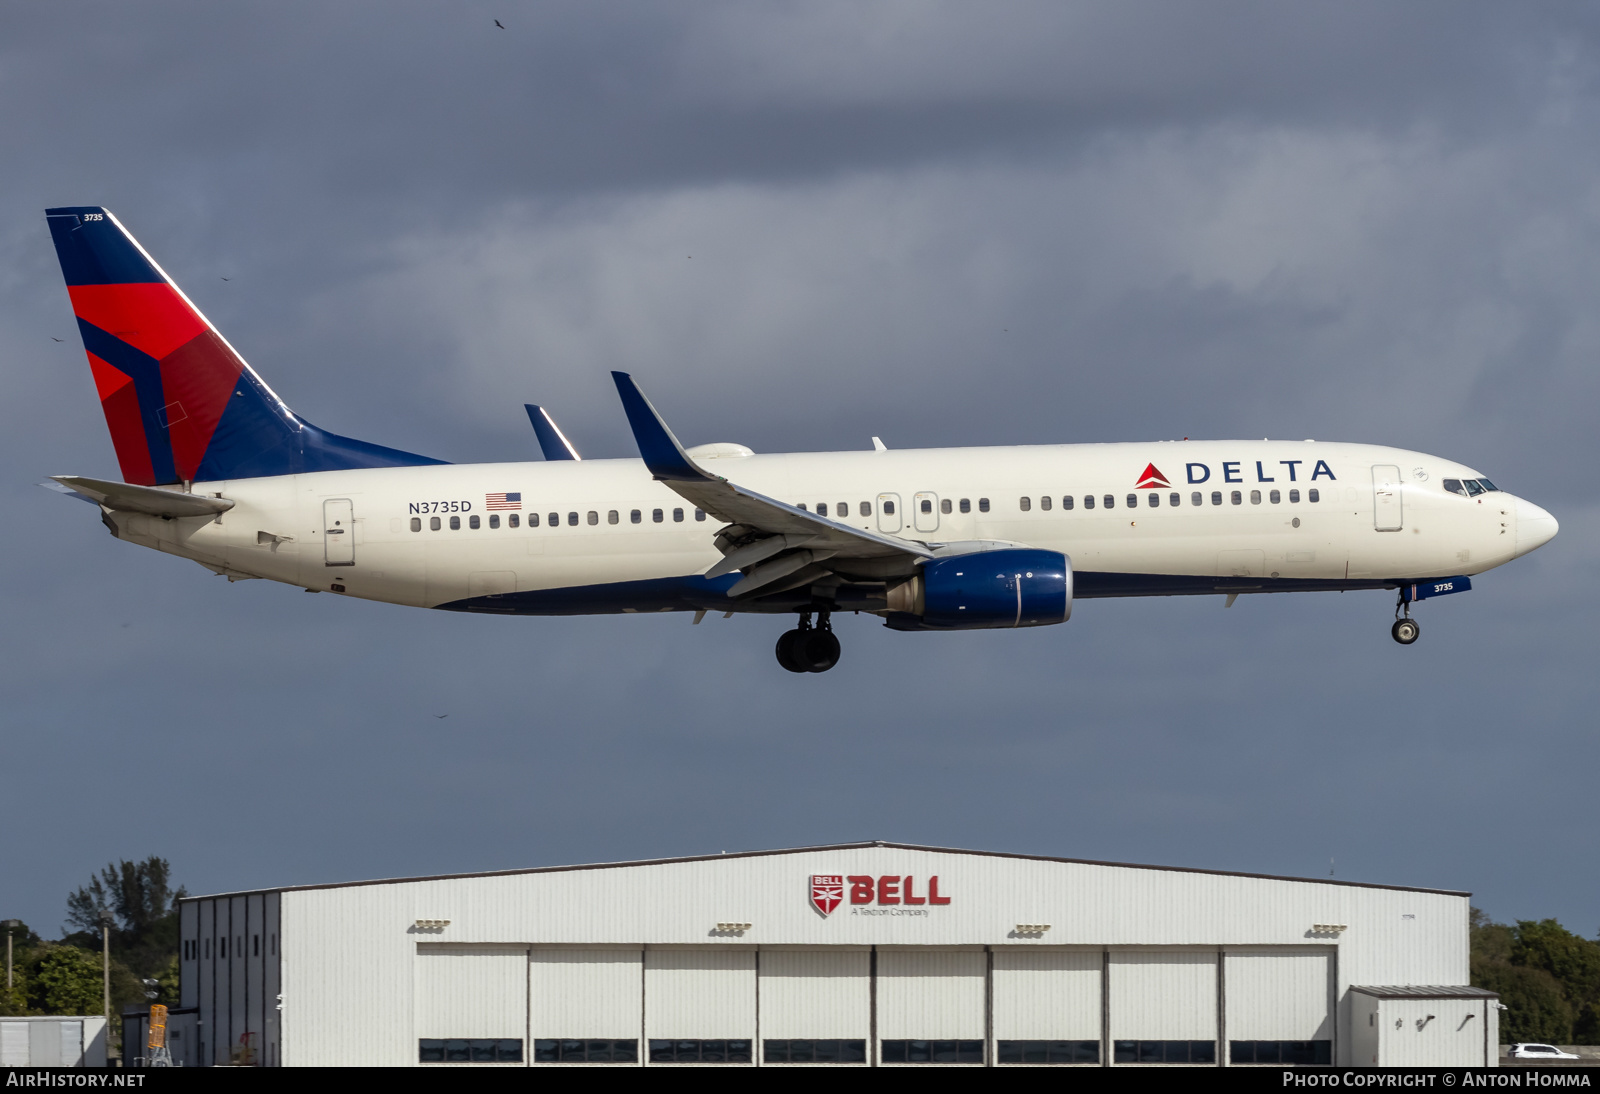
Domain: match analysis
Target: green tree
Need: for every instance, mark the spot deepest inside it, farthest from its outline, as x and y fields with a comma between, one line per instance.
x=1536, y=1007
x=140, y=896
x=66, y=980
x=1571, y=959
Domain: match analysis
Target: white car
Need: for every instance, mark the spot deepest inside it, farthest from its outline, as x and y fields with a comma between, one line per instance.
x=1539, y=1052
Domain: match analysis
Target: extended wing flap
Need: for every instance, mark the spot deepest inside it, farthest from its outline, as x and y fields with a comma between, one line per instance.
x=126, y=497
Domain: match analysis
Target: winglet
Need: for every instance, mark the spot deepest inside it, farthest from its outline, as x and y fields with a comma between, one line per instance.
x=552, y=441
x=662, y=453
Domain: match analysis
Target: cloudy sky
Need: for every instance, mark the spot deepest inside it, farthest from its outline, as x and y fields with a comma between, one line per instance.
x=801, y=225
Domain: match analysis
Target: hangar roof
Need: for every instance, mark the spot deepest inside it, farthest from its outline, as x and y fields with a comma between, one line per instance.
x=839, y=847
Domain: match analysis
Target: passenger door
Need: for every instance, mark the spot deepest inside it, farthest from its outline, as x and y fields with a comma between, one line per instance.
x=925, y=512
x=889, y=518
x=1387, y=503
x=338, y=533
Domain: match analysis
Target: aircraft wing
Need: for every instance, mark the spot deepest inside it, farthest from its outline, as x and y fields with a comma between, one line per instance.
x=778, y=546
x=127, y=497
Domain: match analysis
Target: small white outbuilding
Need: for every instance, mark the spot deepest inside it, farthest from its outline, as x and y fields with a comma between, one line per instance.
x=870, y=954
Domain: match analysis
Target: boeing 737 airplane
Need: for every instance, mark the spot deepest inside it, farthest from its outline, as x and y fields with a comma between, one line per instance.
x=217, y=468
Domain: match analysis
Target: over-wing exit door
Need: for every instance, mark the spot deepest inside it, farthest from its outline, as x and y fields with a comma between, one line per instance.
x=925, y=512
x=1387, y=503
x=338, y=533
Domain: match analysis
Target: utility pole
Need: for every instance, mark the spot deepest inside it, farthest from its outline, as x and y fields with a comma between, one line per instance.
x=106, y=919
x=10, y=925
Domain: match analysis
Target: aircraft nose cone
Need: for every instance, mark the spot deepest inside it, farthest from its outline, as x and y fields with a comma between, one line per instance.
x=1535, y=527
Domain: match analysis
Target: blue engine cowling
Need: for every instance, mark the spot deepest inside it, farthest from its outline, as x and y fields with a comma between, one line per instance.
x=1015, y=587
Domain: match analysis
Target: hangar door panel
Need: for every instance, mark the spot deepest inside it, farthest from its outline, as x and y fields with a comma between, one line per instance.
x=1051, y=995
x=1279, y=993
x=824, y=994
x=586, y=993
x=1163, y=995
x=927, y=993
x=700, y=995
x=471, y=991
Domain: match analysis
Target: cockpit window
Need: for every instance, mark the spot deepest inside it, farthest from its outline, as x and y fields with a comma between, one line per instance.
x=1455, y=487
x=1487, y=485
x=1474, y=488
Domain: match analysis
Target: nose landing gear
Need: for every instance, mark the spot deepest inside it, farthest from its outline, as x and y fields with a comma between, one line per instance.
x=808, y=648
x=1405, y=630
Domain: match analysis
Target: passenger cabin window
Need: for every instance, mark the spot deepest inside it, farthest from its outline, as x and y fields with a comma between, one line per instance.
x=699, y=514
x=1237, y=498
x=513, y=520
x=1088, y=501
x=983, y=505
x=594, y=517
x=416, y=524
x=1196, y=498
x=1294, y=497
x=1044, y=503
x=1155, y=499
x=1312, y=496
x=572, y=520
x=433, y=524
x=888, y=508
x=494, y=520
x=1066, y=501
x=843, y=510
x=1133, y=501
x=1025, y=504
x=1255, y=497
x=822, y=508
x=944, y=506
x=865, y=509
x=612, y=516
x=657, y=516
x=634, y=516
x=473, y=522
x=455, y=524
x=1174, y=500
x=966, y=505
x=1110, y=501
x=677, y=516
x=927, y=505
x=555, y=520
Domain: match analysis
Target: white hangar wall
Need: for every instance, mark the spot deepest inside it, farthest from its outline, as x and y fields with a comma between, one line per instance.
x=733, y=947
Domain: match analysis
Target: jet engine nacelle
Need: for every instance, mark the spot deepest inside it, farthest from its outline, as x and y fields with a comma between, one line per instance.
x=1014, y=587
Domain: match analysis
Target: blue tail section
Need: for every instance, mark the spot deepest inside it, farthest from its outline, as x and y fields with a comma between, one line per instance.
x=180, y=402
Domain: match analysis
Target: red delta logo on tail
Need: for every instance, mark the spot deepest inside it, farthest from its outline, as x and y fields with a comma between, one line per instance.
x=1152, y=479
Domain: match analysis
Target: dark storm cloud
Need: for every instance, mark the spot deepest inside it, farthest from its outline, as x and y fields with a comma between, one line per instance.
x=941, y=224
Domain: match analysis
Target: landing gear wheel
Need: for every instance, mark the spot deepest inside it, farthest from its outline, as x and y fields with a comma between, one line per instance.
x=786, y=651
x=819, y=650
x=1405, y=631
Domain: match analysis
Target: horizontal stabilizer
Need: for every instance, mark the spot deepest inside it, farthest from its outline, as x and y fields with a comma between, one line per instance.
x=126, y=497
x=552, y=442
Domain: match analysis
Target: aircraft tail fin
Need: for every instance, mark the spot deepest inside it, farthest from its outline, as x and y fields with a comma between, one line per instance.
x=180, y=402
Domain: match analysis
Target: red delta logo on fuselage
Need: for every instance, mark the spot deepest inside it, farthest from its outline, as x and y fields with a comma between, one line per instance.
x=1153, y=479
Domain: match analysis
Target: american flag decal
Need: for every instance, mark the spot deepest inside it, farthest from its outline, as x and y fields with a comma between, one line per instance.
x=502, y=501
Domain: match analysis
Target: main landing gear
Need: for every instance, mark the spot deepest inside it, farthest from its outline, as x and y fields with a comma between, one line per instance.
x=1405, y=630
x=808, y=648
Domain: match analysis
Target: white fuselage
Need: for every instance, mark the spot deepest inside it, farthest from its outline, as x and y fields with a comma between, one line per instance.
x=279, y=527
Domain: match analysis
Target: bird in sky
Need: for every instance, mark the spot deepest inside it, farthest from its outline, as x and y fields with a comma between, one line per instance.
x=441, y=715
x=499, y=24
x=227, y=279
x=53, y=338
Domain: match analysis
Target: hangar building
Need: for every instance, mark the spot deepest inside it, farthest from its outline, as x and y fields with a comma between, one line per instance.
x=870, y=954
